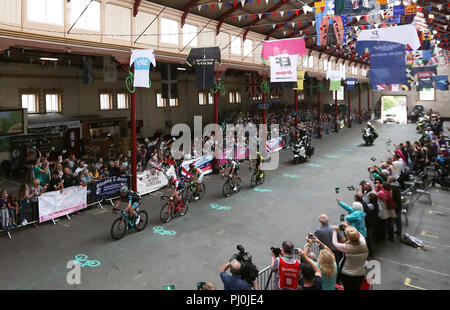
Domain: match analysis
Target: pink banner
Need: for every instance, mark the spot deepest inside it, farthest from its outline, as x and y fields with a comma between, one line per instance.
x=294, y=46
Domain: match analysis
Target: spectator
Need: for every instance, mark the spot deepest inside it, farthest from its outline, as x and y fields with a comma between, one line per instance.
x=35, y=191
x=387, y=204
x=233, y=282
x=80, y=169
x=103, y=173
x=208, y=286
x=24, y=202
x=371, y=210
x=356, y=217
x=397, y=197
x=13, y=206
x=325, y=236
x=93, y=173
x=42, y=172
x=285, y=268
x=56, y=184
x=67, y=178
x=59, y=169
x=356, y=252
x=4, y=209
x=327, y=265
x=86, y=178
x=311, y=278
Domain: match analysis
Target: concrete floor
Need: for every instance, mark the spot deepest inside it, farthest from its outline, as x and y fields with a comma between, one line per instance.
x=206, y=238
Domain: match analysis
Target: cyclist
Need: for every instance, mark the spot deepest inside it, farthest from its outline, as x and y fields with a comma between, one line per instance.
x=257, y=163
x=234, y=165
x=134, y=200
x=196, y=175
x=177, y=187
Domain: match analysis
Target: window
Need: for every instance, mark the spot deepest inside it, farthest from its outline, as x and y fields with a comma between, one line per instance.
x=162, y=102
x=123, y=101
x=311, y=61
x=340, y=94
x=427, y=94
x=46, y=11
x=342, y=67
x=90, y=20
x=235, y=45
x=205, y=98
x=190, y=35
x=305, y=61
x=235, y=97
x=248, y=48
x=169, y=31
x=325, y=64
x=354, y=70
x=30, y=102
x=53, y=102
x=106, y=101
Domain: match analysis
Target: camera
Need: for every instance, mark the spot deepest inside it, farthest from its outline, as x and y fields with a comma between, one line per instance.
x=249, y=272
x=276, y=251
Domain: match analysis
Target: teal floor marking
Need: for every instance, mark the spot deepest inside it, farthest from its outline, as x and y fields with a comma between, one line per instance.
x=160, y=230
x=219, y=207
x=83, y=260
x=256, y=189
x=292, y=176
x=314, y=165
x=332, y=156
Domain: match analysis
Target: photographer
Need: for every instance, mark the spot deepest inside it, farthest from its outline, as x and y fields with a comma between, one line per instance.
x=285, y=267
x=234, y=282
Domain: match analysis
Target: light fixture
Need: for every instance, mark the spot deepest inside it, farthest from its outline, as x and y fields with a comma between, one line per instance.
x=181, y=69
x=49, y=59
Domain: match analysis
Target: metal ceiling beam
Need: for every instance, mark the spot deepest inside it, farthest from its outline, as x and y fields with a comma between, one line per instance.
x=253, y=22
x=186, y=10
x=228, y=13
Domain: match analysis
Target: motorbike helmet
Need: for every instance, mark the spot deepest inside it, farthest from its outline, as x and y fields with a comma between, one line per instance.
x=369, y=123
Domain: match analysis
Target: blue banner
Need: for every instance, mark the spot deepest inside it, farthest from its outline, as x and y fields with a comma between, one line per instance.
x=387, y=62
x=110, y=186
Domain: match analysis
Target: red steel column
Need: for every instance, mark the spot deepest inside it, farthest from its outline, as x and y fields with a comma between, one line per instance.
x=336, y=126
x=349, y=111
x=133, y=143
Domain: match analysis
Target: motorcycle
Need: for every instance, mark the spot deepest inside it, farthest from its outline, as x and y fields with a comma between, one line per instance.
x=368, y=136
x=302, y=150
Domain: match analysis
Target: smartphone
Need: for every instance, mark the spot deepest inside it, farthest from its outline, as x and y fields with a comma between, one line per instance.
x=342, y=219
x=310, y=236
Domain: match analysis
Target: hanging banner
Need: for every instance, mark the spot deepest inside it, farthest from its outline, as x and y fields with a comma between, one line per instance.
x=56, y=204
x=351, y=83
x=152, y=180
x=441, y=82
x=203, y=59
x=283, y=68
x=142, y=60
x=331, y=30
x=405, y=34
x=355, y=7
x=294, y=46
x=274, y=145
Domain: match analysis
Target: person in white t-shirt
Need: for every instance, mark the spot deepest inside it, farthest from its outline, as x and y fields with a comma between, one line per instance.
x=398, y=166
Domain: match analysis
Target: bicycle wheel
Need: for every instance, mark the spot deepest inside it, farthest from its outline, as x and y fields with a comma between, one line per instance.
x=254, y=180
x=143, y=220
x=118, y=228
x=187, y=194
x=261, y=178
x=184, y=209
x=238, y=184
x=202, y=193
x=227, y=189
x=166, y=213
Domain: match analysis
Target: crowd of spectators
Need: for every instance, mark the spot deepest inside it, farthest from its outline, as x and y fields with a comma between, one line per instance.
x=344, y=249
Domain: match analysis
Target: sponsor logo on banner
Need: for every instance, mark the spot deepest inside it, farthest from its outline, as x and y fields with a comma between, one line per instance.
x=152, y=180
x=142, y=63
x=109, y=186
x=283, y=68
x=56, y=204
x=204, y=163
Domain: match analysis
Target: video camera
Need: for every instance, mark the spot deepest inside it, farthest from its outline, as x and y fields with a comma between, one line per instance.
x=249, y=272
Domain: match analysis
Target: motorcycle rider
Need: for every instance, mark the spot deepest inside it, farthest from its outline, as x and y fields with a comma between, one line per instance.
x=372, y=129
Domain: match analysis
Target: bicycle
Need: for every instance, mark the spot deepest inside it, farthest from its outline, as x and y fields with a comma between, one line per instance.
x=168, y=209
x=123, y=223
x=192, y=190
x=228, y=187
x=257, y=177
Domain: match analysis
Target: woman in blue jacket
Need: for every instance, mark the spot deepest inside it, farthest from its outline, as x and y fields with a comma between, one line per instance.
x=356, y=217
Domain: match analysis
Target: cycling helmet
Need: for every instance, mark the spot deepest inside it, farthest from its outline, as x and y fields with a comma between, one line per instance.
x=192, y=165
x=124, y=189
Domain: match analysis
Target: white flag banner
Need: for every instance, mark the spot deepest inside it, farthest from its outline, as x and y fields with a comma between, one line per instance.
x=358, y=18
x=142, y=60
x=220, y=5
x=283, y=68
x=242, y=3
x=56, y=204
x=260, y=15
x=239, y=17
x=281, y=13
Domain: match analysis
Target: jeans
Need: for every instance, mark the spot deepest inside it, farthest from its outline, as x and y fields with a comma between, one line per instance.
x=370, y=239
x=398, y=224
x=390, y=228
x=5, y=218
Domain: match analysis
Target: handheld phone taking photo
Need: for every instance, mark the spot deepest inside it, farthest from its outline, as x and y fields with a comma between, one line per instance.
x=342, y=219
x=310, y=236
